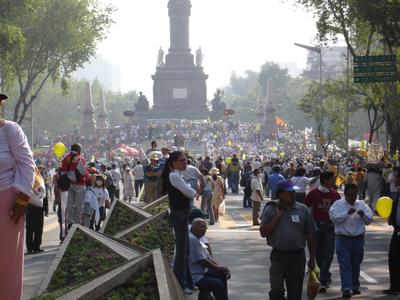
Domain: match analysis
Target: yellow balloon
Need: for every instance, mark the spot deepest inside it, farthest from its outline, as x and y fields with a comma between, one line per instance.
x=384, y=207
x=59, y=149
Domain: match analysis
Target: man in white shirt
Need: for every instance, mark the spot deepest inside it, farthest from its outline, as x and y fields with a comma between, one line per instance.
x=116, y=178
x=350, y=217
x=256, y=196
x=193, y=176
x=139, y=177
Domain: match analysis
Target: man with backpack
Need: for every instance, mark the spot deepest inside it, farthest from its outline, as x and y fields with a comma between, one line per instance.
x=245, y=182
x=74, y=167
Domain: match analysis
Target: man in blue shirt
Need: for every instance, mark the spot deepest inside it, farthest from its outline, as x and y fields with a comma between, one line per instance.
x=273, y=180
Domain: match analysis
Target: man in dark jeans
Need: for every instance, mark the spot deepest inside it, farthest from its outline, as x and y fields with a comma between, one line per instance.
x=394, y=250
x=320, y=201
x=215, y=279
x=34, y=226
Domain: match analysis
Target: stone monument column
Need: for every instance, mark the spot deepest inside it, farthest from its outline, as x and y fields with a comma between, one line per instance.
x=179, y=90
x=102, y=117
x=88, y=121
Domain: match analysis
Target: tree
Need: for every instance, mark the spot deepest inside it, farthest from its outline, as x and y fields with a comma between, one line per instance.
x=11, y=38
x=367, y=27
x=59, y=37
x=328, y=116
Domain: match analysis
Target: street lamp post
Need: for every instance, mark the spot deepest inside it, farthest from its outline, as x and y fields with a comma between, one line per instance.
x=319, y=51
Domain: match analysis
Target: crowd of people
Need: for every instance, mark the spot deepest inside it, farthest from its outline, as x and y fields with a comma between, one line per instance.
x=305, y=206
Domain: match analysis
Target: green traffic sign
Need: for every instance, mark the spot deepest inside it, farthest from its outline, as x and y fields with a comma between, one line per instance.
x=376, y=69
x=375, y=59
x=375, y=78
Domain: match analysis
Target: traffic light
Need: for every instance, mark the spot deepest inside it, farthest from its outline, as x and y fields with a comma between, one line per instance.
x=228, y=112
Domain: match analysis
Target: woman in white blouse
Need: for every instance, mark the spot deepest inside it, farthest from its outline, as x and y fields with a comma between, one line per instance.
x=16, y=178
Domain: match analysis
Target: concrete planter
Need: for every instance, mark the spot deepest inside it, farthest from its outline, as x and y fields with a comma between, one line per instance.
x=153, y=233
x=117, y=281
x=84, y=256
x=157, y=206
x=121, y=217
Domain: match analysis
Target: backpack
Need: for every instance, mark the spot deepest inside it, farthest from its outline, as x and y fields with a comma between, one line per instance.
x=245, y=180
x=63, y=181
x=109, y=181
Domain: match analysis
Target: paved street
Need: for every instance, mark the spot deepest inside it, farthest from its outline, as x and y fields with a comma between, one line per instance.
x=237, y=244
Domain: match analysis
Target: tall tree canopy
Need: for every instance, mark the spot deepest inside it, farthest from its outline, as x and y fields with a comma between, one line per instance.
x=58, y=37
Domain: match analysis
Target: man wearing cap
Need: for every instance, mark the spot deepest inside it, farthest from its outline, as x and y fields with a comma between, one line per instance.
x=152, y=176
x=288, y=225
x=320, y=201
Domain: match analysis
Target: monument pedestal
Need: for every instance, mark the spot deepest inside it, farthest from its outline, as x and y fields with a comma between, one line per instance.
x=180, y=92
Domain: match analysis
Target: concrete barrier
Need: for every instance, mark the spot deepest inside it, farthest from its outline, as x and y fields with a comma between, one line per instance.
x=105, y=244
x=168, y=287
x=122, y=216
x=157, y=206
x=146, y=228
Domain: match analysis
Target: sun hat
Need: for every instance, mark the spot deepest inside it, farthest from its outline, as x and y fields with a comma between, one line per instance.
x=214, y=171
x=153, y=156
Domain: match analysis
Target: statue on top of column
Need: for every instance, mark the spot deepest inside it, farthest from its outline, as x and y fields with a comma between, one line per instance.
x=142, y=105
x=199, y=57
x=160, y=58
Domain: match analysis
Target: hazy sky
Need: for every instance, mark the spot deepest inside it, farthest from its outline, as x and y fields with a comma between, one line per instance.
x=235, y=35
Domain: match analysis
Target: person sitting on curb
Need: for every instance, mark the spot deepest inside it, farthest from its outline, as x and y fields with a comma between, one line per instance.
x=215, y=278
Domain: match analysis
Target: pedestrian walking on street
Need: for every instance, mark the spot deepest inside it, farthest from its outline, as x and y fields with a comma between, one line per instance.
x=374, y=186
x=273, y=180
x=207, y=196
x=193, y=177
x=245, y=182
x=394, y=249
x=139, y=177
x=103, y=200
x=17, y=169
x=116, y=178
x=129, y=189
x=75, y=167
x=218, y=193
x=256, y=196
x=152, y=176
x=90, y=204
x=288, y=225
x=234, y=169
x=179, y=195
x=350, y=217
x=34, y=221
x=320, y=201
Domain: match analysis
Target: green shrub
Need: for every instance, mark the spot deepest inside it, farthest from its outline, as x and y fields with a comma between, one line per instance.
x=122, y=218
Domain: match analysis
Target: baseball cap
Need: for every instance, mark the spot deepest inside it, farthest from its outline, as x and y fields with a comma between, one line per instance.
x=287, y=185
x=196, y=213
x=3, y=97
